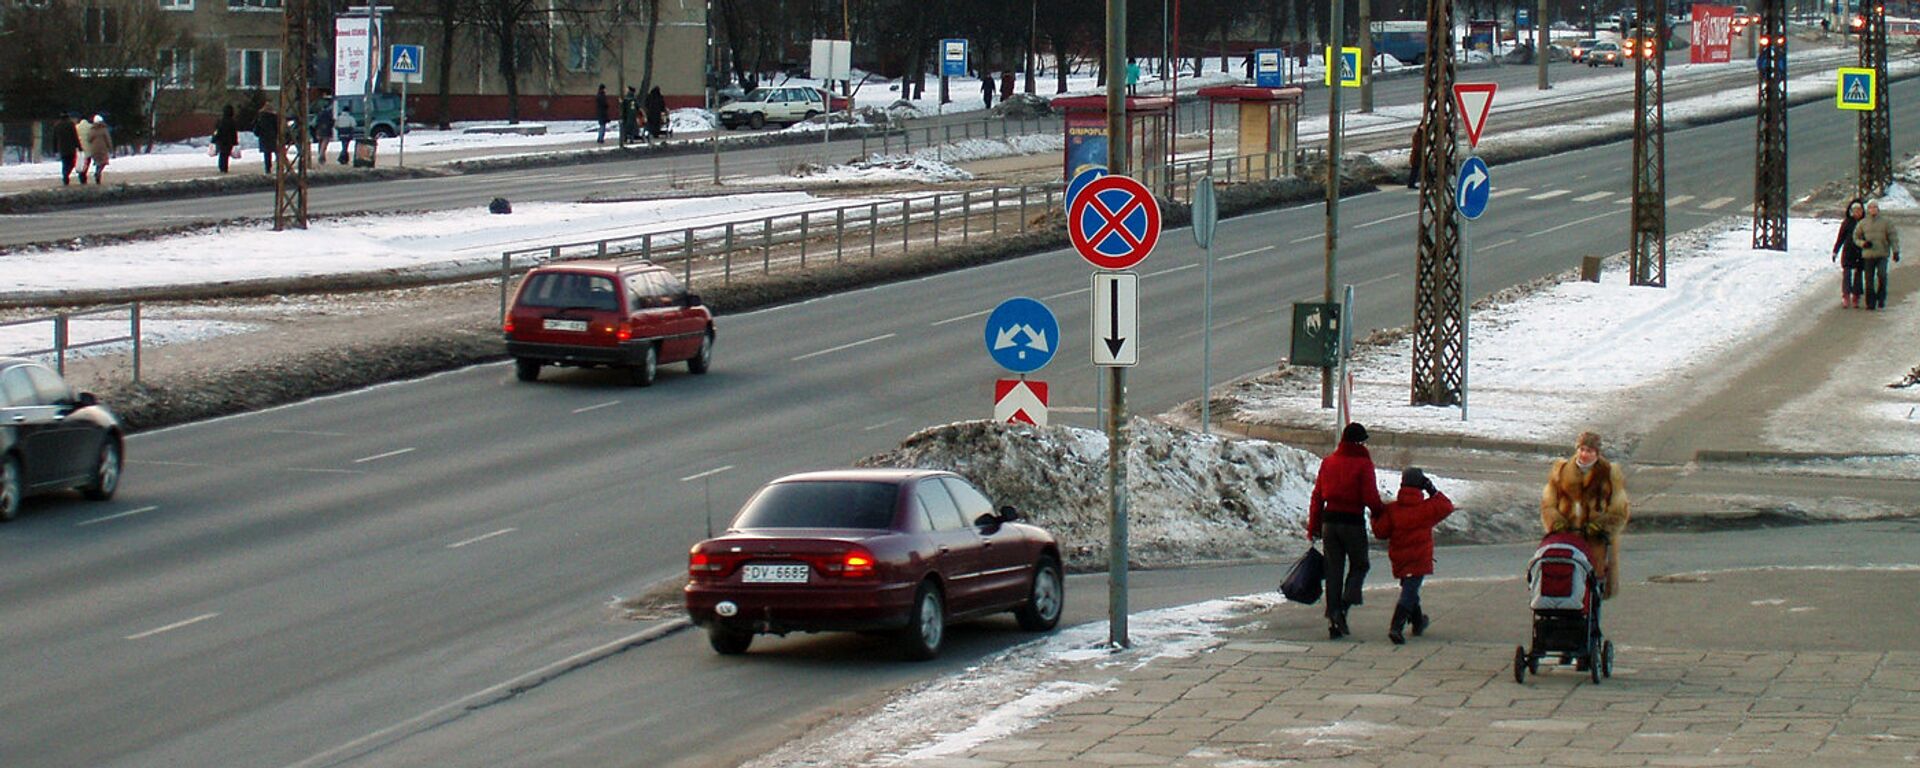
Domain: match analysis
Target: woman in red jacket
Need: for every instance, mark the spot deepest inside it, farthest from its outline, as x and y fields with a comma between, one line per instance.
x=1407, y=525
x=1343, y=494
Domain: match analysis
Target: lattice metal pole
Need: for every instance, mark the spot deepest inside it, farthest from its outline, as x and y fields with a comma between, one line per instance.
x=1649, y=246
x=1770, y=157
x=290, y=168
x=1439, y=336
x=1876, y=130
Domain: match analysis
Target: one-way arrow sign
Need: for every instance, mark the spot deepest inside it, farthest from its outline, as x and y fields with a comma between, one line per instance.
x=1116, y=319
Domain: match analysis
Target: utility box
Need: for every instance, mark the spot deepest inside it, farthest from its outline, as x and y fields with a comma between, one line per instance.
x=1590, y=269
x=1316, y=335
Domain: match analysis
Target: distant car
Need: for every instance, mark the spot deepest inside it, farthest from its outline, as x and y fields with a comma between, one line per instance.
x=1578, y=53
x=778, y=106
x=904, y=551
x=52, y=439
x=1606, y=53
x=625, y=314
x=382, y=123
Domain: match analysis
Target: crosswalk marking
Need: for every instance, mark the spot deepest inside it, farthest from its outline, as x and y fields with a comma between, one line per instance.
x=1624, y=201
x=1588, y=198
x=1716, y=203
x=1549, y=194
x=1676, y=200
x=1507, y=191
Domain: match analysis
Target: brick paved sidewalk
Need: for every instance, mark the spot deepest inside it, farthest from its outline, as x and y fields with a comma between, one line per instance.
x=1273, y=697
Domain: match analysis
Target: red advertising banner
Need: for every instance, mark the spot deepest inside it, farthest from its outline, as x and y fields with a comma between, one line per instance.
x=1712, y=34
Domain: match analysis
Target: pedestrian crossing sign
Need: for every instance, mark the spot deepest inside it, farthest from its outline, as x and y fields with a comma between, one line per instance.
x=405, y=62
x=1856, y=89
x=1349, y=67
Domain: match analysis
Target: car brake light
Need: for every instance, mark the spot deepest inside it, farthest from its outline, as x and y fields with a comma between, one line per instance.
x=507, y=326
x=624, y=332
x=857, y=564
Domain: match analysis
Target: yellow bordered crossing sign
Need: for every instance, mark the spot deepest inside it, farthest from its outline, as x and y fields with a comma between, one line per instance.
x=1349, y=67
x=1855, y=89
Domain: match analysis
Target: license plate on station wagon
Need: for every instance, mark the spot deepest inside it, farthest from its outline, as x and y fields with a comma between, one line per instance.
x=774, y=574
x=577, y=326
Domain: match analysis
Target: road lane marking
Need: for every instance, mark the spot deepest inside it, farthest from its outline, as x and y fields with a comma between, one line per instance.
x=1396, y=217
x=327, y=470
x=967, y=316
x=887, y=423
x=1572, y=223
x=596, y=407
x=1380, y=279
x=379, y=456
x=116, y=516
x=1716, y=203
x=1261, y=249
x=310, y=432
x=172, y=627
x=1624, y=201
x=850, y=345
x=711, y=472
x=1507, y=191
x=1069, y=409
x=1678, y=199
x=1299, y=240
x=1590, y=197
x=1171, y=270
x=481, y=538
x=1549, y=194
x=1064, y=294
x=1508, y=241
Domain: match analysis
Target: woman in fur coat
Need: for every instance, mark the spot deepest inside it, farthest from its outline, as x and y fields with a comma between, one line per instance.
x=1587, y=495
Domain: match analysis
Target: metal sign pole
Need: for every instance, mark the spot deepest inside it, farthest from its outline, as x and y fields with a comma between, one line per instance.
x=1116, y=70
x=1466, y=303
x=403, y=125
x=1336, y=53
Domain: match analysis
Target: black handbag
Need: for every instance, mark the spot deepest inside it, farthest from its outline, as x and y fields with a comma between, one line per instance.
x=1308, y=576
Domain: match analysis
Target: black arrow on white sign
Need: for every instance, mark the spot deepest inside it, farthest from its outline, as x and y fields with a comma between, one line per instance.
x=1114, y=340
x=1116, y=319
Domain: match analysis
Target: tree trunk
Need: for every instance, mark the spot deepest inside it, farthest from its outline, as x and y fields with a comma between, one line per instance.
x=1059, y=66
x=510, y=71
x=653, y=32
x=447, y=27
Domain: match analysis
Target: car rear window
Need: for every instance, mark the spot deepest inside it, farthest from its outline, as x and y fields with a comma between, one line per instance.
x=570, y=289
x=821, y=504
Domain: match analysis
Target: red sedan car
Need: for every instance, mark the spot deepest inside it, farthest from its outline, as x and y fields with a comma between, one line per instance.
x=900, y=550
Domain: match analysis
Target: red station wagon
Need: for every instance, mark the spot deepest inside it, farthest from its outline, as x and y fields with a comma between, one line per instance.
x=628, y=314
x=898, y=550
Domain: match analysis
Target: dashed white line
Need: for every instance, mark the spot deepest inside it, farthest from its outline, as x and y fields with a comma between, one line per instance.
x=1380, y=279
x=881, y=425
x=128, y=513
x=1592, y=196
x=1171, y=270
x=481, y=538
x=1498, y=193
x=1624, y=201
x=327, y=470
x=1396, y=217
x=968, y=316
x=1716, y=203
x=1299, y=240
x=379, y=456
x=1062, y=294
x=1508, y=241
x=311, y=432
x=1549, y=194
x=1572, y=223
x=596, y=407
x=849, y=345
x=172, y=627
x=1678, y=199
x=711, y=472
x=1261, y=249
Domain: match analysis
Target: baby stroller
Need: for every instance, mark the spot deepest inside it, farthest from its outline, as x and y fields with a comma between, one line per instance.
x=1566, y=610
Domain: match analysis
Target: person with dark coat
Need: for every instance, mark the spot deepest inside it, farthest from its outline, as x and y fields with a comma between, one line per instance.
x=226, y=136
x=1878, y=239
x=323, y=127
x=629, y=116
x=1343, y=494
x=601, y=110
x=1415, y=157
x=986, y=89
x=1407, y=525
x=1847, y=252
x=266, y=130
x=66, y=137
x=656, y=113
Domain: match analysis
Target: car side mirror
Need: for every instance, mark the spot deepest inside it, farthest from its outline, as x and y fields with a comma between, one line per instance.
x=86, y=400
x=1009, y=515
x=987, y=522
x=693, y=300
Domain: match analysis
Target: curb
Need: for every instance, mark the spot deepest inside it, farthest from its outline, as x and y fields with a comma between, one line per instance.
x=447, y=713
x=1382, y=439
x=1738, y=456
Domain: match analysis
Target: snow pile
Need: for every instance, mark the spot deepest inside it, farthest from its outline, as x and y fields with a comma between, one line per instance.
x=1190, y=497
x=691, y=120
x=877, y=170
x=1015, y=689
x=967, y=150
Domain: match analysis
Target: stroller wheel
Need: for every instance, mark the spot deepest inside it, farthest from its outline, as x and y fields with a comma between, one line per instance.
x=1606, y=659
x=1533, y=665
x=1593, y=667
x=1520, y=664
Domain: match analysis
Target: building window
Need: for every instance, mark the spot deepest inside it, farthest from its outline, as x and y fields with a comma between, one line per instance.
x=175, y=68
x=254, y=5
x=176, y=5
x=583, y=53
x=103, y=26
x=253, y=69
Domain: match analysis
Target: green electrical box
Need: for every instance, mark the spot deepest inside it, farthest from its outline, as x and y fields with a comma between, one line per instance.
x=1316, y=335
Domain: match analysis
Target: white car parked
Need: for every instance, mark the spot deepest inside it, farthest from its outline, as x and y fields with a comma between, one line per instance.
x=778, y=106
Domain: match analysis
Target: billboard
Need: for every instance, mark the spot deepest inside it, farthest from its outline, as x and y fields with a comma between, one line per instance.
x=1712, y=35
x=1086, y=142
x=355, y=40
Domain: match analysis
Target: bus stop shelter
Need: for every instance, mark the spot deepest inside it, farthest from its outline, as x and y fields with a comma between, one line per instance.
x=1149, y=152
x=1268, y=130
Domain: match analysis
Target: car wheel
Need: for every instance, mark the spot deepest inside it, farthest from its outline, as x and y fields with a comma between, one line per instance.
x=811, y=115
x=1042, y=609
x=757, y=121
x=703, y=359
x=106, y=472
x=10, y=489
x=643, y=373
x=728, y=642
x=383, y=132
x=926, y=626
x=526, y=370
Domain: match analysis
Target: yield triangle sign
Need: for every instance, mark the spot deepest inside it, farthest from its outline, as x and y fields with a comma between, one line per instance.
x=1474, y=100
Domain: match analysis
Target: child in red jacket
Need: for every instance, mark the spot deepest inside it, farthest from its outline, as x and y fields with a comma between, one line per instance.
x=1407, y=525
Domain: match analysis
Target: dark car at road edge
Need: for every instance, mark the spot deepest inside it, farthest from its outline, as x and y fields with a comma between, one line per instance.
x=52, y=439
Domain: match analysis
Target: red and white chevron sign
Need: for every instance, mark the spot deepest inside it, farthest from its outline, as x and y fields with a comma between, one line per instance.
x=1020, y=401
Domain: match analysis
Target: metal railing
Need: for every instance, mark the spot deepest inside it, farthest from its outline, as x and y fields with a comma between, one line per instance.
x=62, y=323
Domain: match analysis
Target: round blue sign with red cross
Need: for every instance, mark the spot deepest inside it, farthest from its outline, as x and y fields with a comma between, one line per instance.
x=1113, y=222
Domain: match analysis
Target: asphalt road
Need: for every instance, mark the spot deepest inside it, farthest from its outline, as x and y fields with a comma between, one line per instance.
x=685, y=173
x=271, y=586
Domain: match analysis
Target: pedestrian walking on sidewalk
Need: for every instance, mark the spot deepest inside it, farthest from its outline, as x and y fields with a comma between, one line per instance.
x=1407, y=526
x=226, y=136
x=346, y=129
x=266, y=132
x=986, y=90
x=656, y=109
x=99, y=148
x=1417, y=156
x=66, y=139
x=629, y=116
x=323, y=127
x=602, y=109
x=1587, y=495
x=1344, y=494
x=1878, y=240
x=1847, y=252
